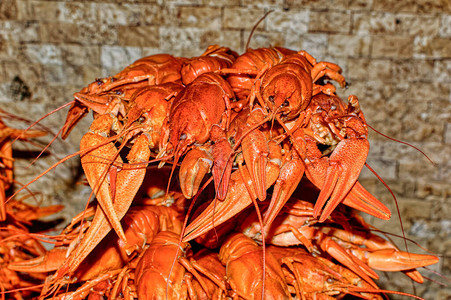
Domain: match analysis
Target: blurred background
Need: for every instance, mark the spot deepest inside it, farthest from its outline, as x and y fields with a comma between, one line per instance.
x=396, y=56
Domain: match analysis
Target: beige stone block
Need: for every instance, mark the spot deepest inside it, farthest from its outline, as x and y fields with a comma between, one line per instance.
x=441, y=190
x=226, y=38
x=445, y=26
x=262, y=3
x=3, y=72
x=222, y=3
x=5, y=95
x=412, y=120
x=98, y=35
x=43, y=53
x=139, y=36
x=379, y=69
x=319, y=4
x=440, y=110
x=45, y=93
x=414, y=171
x=44, y=10
x=116, y=58
x=442, y=70
x=180, y=40
x=184, y=2
x=8, y=10
x=81, y=75
x=289, y=22
x=261, y=39
x=359, y=5
x=61, y=11
x=53, y=74
x=448, y=133
x=24, y=10
x=20, y=32
x=159, y=15
x=355, y=87
x=373, y=101
x=119, y=14
x=366, y=70
x=410, y=24
x=395, y=5
x=348, y=45
x=439, y=240
x=415, y=209
x=392, y=46
x=395, y=23
x=434, y=91
x=357, y=69
x=421, y=131
x=373, y=23
x=77, y=12
x=434, y=6
x=313, y=43
x=79, y=55
x=101, y=34
x=58, y=32
x=241, y=18
x=330, y=21
x=412, y=70
x=29, y=73
x=209, y=18
x=432, y=47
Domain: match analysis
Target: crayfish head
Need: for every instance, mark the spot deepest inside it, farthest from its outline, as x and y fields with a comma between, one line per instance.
x=286, y=95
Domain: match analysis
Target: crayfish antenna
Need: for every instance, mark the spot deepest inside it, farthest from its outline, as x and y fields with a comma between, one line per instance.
x=405, y=143
x=55, y=136
x=255, y=27
x=396, y=203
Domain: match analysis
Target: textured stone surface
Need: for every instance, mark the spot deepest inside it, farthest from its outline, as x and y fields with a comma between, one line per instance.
x=395, y=6
x=239, y=17
x=348, y=45
x=293, y=21
x=318, y=4
x=432, y=47
x=395, y=55
x=202, y=17
x=330, y=21
x=392, y=46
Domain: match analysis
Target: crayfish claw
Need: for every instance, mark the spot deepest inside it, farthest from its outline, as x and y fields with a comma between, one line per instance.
x=344, y=168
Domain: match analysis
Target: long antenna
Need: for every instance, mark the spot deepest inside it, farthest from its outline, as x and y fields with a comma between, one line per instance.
x=255, y=27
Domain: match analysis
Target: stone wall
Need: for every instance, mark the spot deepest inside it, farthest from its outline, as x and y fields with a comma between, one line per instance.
x=396, y=55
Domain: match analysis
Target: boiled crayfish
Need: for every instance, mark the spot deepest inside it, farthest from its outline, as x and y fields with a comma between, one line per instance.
x=258, y=122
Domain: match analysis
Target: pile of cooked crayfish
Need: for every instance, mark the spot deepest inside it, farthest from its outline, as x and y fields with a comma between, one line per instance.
x=19, y=239
x=222, y=176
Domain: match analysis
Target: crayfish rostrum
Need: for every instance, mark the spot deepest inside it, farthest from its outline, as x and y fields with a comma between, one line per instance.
x=258, y=122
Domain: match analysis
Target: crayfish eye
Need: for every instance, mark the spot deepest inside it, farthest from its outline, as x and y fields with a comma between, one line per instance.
x=141, y=119
x=330, y=280
x=183, y=136
x=285, y=103
x=271, y=98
